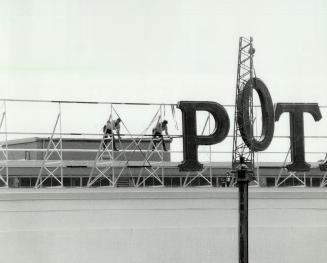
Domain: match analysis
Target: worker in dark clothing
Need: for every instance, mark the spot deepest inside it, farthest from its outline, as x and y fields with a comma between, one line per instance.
x=108, y=130
x=157, y=133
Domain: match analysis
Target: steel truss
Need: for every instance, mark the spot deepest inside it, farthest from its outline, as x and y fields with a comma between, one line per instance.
x=109, y=166
x=323, y=168
x=106, y=168
x=324, y=180
x=245, y=73
x=289, y=174
x=4, y=149
x=52, y=163
x=153, y=149
x=105, y=160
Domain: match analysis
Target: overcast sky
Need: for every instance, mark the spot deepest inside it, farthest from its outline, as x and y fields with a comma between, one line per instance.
x=160, y=51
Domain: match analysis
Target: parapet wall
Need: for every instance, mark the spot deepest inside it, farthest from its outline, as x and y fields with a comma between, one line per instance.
x=161, y=225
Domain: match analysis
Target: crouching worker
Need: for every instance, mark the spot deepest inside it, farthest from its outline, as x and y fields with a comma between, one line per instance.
x=157, y=133
x=108, y=130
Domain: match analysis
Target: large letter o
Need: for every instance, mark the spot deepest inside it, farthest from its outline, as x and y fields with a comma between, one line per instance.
x=243, y=115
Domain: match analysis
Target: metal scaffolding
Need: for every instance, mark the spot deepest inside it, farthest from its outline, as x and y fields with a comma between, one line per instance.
x=110, y=164
x=140, y=161
x=107, y=157
x=52, y=159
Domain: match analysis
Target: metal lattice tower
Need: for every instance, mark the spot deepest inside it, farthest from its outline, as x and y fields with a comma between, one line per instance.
x=245, y=73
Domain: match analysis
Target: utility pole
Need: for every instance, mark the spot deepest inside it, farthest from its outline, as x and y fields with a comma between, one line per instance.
x=243, y=178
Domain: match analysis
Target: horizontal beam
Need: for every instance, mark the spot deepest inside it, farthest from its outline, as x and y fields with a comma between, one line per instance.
x=109, y=103
x=138, y=150
x=117, y=163
x=89, y=102
x=146, y=136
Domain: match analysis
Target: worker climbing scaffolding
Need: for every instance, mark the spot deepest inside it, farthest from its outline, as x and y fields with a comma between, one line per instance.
x=157, y=133
x=108, y=130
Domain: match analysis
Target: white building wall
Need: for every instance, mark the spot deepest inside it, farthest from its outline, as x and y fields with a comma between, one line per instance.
x=160, y=225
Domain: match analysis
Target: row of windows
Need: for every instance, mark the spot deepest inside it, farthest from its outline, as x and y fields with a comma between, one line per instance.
x=29, y=182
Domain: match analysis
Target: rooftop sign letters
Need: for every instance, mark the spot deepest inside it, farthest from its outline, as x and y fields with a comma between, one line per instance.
x=270, y=114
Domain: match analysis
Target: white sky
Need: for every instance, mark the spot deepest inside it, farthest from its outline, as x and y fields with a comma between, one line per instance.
x=161, y=51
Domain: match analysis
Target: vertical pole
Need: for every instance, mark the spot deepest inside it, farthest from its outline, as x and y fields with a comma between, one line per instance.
x=6, y=139
x=257, y=153
x=243, y=183
x=251, y=54
x=163, y=153
x=210, y=156
x=61, y=158
x=238, y=84
x=163, y=138
x=112, y=147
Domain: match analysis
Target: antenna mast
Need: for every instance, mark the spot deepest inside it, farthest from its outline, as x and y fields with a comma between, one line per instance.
x=245, y=73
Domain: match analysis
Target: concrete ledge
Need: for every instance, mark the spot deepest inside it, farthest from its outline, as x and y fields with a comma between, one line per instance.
x=12, y=194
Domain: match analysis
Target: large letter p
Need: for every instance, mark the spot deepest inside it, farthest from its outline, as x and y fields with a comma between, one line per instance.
x=191, y=140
